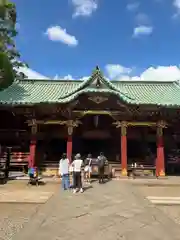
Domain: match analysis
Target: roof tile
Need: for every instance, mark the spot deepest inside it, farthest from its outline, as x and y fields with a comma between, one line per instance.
x=52, y=91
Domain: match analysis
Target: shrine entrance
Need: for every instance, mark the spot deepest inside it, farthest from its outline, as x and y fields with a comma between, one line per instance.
x=96, y=134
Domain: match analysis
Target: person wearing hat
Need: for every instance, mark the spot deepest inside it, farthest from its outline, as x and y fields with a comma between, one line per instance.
x=64, y=171
x=77, y=168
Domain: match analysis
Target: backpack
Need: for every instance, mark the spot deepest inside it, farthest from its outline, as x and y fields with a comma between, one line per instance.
x=101, y=161
x=88, y=162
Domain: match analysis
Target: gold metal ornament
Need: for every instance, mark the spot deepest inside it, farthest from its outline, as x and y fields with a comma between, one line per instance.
x=98, y=99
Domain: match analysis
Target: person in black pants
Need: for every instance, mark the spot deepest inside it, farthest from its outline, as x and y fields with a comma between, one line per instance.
x=101, y=165
x=77, y=166
x=101, y=175
x=77, y=181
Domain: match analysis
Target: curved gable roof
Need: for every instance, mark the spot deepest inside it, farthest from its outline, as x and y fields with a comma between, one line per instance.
x=28, y=92
x=91, y=85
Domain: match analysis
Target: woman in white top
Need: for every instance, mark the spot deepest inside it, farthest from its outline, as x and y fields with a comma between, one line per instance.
x=77, y=167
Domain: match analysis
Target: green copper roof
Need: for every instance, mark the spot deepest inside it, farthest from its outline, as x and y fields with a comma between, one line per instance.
x=28, y=92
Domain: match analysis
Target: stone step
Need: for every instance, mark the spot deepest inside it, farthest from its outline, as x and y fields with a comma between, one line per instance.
x=164, y=200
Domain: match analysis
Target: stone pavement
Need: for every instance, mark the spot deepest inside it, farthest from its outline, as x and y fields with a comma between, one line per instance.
x=20, y=192
x=115, y=210
x=13, y=217
x=24, y=196
x=165, y=194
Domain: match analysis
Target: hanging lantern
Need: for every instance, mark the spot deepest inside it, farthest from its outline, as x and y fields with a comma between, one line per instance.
x=17, y=134
x=96, y=120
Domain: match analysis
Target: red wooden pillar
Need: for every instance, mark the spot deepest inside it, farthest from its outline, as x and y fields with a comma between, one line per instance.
x=69, y=147
x=32, y=153
x=32, y=148
x=124, y=149
x=69, y=143
x=160, y=166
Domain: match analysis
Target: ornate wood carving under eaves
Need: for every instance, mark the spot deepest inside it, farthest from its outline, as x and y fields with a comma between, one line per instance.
x=71, y=124
x=27, y=112
x=162, y=124
x=33, y=124
x=98, y=99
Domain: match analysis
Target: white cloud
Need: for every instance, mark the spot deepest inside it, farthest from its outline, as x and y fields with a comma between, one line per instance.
x=58, y=34
x=159, y=73
x=84, y=7
x=31, y=74
x=132, y=6
x=176, y=4
x=142, y=30
x=144, y=26
x=69, y=77
x=115, y=70
x=119, y=72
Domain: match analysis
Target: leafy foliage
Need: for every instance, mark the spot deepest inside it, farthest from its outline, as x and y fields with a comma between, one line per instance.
x=9, y=56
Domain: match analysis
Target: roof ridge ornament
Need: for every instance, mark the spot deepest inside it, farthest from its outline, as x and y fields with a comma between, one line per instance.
x=97, y=75
x=97, y=68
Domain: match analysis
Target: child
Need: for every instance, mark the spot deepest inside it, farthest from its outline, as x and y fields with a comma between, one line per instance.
x=88, y=168
x=71, y=178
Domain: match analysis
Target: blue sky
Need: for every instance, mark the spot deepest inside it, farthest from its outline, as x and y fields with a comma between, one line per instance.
x=126, y=38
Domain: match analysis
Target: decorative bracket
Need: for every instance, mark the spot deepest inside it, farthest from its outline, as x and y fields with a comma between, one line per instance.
x=160, y=126
x=120, y=124
x=71, y=124
x=123, y=125
x=33, y=124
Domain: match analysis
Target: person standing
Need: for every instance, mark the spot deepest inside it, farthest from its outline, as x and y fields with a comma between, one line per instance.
x=101, y=165
x=77, y=168
x=88, y=168
x=71, y=177
x=64, y=171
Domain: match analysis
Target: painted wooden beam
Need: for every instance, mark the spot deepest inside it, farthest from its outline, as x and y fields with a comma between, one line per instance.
x=96, y=112
x=119, y=124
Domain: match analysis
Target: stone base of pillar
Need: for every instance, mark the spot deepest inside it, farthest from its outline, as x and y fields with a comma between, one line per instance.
x=124, y=172
x=162, y=173
x=161, y=177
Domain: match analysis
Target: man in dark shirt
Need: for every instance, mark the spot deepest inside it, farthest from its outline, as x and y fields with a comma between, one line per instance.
x=101, y=165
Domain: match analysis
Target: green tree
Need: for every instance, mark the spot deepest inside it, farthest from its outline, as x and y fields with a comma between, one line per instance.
x=9, y=56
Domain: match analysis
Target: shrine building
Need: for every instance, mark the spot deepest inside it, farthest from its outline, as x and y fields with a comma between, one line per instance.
x=129, y=121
